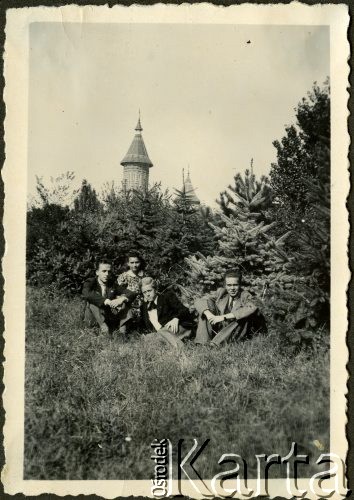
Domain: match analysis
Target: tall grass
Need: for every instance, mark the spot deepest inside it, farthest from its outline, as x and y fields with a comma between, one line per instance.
x=95, y=404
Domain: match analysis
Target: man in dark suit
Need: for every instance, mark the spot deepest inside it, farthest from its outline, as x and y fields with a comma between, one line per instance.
x=163, y=313
x=107, y=304
x=231, y=315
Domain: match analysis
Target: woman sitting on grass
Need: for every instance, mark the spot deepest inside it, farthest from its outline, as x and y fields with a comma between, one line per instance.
x=131, y=280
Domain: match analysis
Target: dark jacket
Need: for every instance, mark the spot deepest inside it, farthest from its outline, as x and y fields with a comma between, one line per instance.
x=168, y=307
x=92, y=293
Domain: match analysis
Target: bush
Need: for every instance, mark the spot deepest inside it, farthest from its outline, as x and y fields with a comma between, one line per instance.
x=63, y=243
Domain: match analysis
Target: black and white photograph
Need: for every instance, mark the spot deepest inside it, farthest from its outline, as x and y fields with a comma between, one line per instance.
x=177, y=250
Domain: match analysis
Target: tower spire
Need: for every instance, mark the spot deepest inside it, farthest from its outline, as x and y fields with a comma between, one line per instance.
x=138, y=127
x=188, y=189
x=136, y=163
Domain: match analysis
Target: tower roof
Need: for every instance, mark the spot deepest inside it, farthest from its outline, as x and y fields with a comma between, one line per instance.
x=137, y=152
x=189, y=190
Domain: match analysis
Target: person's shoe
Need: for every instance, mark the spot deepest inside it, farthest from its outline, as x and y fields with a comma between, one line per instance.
x=104, y=328
x=122, y=330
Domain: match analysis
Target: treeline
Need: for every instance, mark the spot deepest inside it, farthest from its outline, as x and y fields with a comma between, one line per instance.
x=63, y=243
x=276, y=229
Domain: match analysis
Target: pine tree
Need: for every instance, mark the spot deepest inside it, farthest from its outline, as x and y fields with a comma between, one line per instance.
x=300, y=154
x=241, y=232
x=183, y=203
x=243, y=243
x=86, y=201
x=301, y=181
x=251, y=195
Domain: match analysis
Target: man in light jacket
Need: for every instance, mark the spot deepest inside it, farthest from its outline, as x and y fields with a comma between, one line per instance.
x=230, y=316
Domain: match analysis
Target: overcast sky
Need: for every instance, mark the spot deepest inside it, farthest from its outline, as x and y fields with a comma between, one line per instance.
x=211, y=97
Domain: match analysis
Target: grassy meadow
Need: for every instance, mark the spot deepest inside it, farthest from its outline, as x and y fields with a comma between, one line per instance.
x=94, y=404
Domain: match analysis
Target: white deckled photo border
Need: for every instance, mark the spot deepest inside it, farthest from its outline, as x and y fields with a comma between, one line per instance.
x=15, y=180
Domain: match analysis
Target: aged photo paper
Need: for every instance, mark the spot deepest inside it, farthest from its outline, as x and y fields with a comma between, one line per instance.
x=212, y=92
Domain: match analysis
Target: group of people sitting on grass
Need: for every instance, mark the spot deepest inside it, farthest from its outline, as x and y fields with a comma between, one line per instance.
x=132, y=301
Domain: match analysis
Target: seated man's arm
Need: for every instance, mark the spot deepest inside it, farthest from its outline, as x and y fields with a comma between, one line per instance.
x=179, y=311
x=247, y=308
x=91, y=295
x=207, y=306
x=122, y=295
x=125, y=292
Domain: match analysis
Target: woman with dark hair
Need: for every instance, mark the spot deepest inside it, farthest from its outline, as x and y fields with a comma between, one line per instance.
x=131, y=279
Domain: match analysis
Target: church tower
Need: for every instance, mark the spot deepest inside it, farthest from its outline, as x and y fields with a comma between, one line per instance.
x=188, y=190
x=136, y=163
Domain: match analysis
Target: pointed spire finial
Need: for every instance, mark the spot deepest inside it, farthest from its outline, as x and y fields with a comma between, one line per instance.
x=137, y=154
x=188, y=189
x=138, y=127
